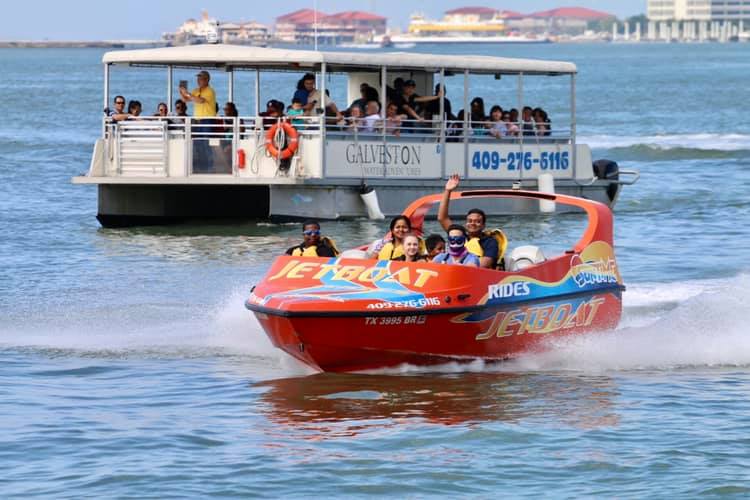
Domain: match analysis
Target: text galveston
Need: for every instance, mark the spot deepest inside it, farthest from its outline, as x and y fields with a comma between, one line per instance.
x=379, y=154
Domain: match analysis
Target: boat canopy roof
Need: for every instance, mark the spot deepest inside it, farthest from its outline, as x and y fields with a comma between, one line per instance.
x=237, y=56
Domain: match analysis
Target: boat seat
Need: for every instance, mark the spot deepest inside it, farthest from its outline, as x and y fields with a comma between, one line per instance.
x=523, y=257
x=353, y=253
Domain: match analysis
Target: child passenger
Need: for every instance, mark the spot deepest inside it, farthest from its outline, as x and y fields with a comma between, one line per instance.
x=435, y=245
x=412, y=251
x=296, y=110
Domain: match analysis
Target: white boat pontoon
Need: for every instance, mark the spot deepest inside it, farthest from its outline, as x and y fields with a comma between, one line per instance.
x=155, y=170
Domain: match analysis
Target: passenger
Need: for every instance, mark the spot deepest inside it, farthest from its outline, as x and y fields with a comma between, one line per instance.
x=117, y=113
x=203, y=96
x=485, y=246
x=313, y=245
x=331, y=111
x=305, y=86
x=395, y=93
x=231, y=113
x=527, y=127
x=274, y=111
x=355, y=121
x=412, y=251
x=511, y=129
x=365, y=95
x=296, y=110
x=409, y=105
x=457, y=252
x=413, y=103
x=477, y=118
x=391, y=247
x=541, y=122
x=162, y=110
x=393, y=120
x=373, y=120
x=456, y=128
x=432, y=109
x=435, y=244
x=497, y=127
x=180, y=108
x=134, y=109
x=514, y=119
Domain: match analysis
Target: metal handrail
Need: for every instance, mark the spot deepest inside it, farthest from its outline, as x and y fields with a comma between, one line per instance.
x=232, y=130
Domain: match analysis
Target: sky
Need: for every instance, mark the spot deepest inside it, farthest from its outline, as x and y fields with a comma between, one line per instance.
x=148, y=19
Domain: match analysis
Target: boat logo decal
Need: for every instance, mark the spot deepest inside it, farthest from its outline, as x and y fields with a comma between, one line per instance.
x=513, y=289
x=596, y=272
x=337, y=282
x=545, y=318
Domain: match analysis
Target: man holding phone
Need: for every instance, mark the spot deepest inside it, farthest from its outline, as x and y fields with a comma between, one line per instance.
x=204, y=109
x=203, y=97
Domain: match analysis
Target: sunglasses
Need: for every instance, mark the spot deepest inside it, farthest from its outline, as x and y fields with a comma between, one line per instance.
x=456, y=240
x=311, y=232
x=119, y=102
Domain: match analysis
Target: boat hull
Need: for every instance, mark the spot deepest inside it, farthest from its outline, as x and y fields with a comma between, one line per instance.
x=124, y=205
x=360, y=342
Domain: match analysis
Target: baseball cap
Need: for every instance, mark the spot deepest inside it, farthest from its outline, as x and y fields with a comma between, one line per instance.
x=410, y=83
x=203, y=73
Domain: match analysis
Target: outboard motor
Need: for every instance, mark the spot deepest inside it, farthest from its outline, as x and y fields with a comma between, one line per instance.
x=608, y=170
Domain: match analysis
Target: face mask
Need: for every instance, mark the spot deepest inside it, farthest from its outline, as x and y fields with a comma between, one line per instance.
x=456, y=245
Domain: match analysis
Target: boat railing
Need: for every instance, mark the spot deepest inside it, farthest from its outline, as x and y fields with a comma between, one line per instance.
x=184, y=146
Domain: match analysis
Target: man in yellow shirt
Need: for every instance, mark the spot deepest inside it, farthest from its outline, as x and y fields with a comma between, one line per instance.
x=204, y=109
x=203, y=97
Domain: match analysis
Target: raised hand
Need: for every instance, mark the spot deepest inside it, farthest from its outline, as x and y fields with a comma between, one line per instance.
x=452, y=182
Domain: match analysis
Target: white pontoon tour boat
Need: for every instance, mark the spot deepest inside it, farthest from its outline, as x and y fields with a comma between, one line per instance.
x=157, y=170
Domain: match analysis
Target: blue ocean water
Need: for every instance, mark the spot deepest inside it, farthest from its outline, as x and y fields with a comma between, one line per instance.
x=130, y=367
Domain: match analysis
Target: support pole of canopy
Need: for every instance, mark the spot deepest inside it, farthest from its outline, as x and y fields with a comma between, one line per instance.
x=106, y=85
x=442, y=123
x=467, y=114
x=230, y=90
x=323, y=102
x=170, y=86
x=383, y=100
x=257, y=92
x=521, y=124
x=106, y=97
x=573, y=123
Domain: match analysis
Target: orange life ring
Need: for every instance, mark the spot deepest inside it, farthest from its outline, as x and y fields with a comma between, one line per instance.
x=292, y=141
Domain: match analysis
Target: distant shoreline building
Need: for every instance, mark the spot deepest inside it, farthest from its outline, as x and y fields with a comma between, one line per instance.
x=305, y=25
x=209, y=30
x=698, y=10
x=563, y=20
x=697, y=20
x=487, y=21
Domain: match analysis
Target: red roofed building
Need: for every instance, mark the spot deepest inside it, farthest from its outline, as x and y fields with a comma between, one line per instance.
x=569, y=20
x=481, y=12
x=300, y=26
x=358, y=24
x=475, y=14
x=572, y=13
x=510, y=14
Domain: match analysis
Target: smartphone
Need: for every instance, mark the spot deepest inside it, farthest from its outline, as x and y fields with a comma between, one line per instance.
x=183, y=84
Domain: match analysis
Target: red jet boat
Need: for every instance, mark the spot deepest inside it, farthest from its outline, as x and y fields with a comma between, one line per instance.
x=351, y=314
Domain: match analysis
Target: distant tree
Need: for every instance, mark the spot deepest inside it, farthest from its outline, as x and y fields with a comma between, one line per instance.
x=640, y=18
x=602, y=25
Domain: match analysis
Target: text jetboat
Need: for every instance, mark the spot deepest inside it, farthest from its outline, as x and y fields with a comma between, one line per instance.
x=351, y=314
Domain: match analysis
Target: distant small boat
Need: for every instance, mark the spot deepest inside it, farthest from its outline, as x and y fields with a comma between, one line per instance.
x=363, y=46
x=503, y=39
